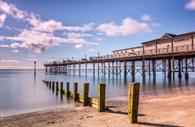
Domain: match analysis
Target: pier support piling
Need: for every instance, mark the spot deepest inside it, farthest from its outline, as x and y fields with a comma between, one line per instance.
x=179, y=67
x=133, y=70
x=186, y=71
x=169, y=68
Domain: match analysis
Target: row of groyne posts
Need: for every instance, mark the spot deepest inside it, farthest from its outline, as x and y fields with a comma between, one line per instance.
x=100, y=102
x=146, y=67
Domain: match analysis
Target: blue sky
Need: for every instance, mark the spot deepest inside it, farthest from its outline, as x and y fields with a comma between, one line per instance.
x=55, y=30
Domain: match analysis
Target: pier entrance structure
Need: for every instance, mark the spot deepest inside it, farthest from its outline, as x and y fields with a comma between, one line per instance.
x=169, y=54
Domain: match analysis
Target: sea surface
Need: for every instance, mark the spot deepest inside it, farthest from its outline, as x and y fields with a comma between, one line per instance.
x=22, y=91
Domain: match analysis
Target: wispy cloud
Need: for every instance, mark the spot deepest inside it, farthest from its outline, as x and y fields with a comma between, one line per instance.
x=190, y=5
x=128, y=26
x=2, y=19
x=146, y=18
x=41, y=35
x=9, y=61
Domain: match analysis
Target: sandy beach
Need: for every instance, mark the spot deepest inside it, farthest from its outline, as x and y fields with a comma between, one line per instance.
x=175, y=111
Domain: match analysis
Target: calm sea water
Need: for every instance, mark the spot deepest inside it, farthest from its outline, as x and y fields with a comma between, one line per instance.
x=22, y=92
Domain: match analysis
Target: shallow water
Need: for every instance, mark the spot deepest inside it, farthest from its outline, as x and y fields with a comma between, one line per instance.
x=21, y=91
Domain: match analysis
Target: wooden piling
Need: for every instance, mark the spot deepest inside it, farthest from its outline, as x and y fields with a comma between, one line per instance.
x=179, y=67
x=61, y=88
x=154, y=68
x=53, y=85
x=133, y=101
x=169, y=68
x=85, y=93
x=67, y=89
x=143, y=69
x=101, y=97
x=186, y=73
x=75, y=91
x=57, y=86
x=133, y=70
x=173, y=67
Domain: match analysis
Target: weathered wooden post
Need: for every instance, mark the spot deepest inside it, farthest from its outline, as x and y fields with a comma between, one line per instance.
x=101, y=97
x=50, y=84
x=53, y=85
x=75, y=91
x=61, y=88
x=57, y=87
x=85, y=93
x=133, y=101
x=67, y=89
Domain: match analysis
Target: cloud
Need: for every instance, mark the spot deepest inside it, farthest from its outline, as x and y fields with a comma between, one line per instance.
x=190, y=5
x=2, y=19
x=146, y=18
x=10, y=9
x=15, y=51
x=41, y=35
x=91, y=50
x=9, y=61
x=4, y=46
x=128, y=26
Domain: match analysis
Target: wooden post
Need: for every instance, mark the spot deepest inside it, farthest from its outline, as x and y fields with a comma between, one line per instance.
x=125, y=69
x=186, y=73
x=133, y=101
x=57, y=87
x=53, y=85
x=149, y=68
x=179, y=66
x=94, y=69
x=169, y=68
x=101, y=97
x=50, y=84
x=143, y=69
x=85, y=93
x=133, y=70
x=75, y=91
x=154, y=68
x=67, y=89
x=173, y=67
x=61, y=88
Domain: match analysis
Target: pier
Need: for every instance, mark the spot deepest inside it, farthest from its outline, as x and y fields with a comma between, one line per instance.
x=169, y=54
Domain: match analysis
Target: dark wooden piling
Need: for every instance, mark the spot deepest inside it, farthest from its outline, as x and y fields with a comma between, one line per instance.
x=101, y=97
x=133, y=101
x=133, y=70
x=143, y=69
x=57, y=86
x=179, y=67
x=173, y=67
x=67, y=89
x=85, y=93
x=169, y=68
x=75, y=91
x=61, y=88
x=186, y=73
x=53, y=85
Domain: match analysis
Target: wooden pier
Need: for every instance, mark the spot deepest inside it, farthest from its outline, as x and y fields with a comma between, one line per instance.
x=169, y=54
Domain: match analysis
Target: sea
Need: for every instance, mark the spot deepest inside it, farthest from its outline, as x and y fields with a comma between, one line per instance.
x=22, y=91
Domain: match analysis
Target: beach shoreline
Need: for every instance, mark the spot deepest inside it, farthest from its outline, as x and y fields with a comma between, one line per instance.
x=173, y=111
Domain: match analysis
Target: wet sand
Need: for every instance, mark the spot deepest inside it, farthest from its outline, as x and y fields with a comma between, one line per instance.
x=175, y=111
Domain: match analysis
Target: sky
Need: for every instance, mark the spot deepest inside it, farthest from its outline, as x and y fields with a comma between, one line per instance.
x=47, y=30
